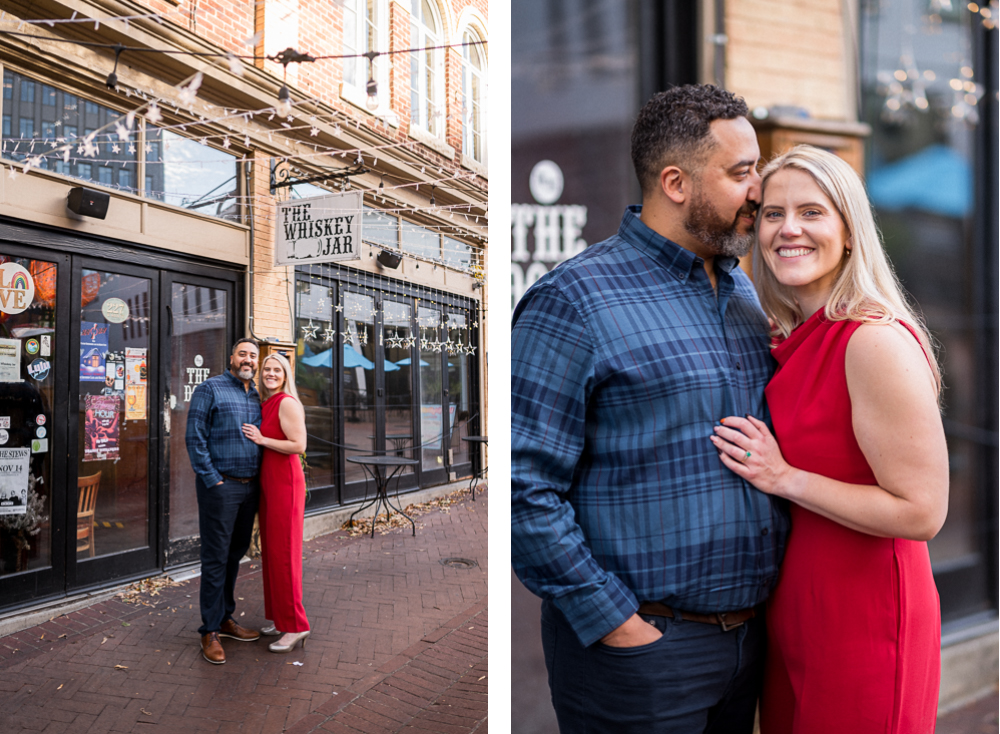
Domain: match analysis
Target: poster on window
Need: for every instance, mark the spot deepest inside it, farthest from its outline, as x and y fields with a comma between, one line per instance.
x=101, y=427
x=135, y=384
x=321, y=229
x=10, y=360
x=93, y=350
x=14, y=481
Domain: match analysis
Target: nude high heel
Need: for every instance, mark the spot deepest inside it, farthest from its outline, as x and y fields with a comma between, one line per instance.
x=278, y=647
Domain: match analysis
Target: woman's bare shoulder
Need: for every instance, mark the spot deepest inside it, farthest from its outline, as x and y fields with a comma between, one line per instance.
x=881, y=355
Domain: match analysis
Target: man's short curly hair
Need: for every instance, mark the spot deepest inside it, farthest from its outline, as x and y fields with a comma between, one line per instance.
x=673, y=129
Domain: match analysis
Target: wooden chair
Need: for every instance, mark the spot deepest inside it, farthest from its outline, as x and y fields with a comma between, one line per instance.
x=87, y=491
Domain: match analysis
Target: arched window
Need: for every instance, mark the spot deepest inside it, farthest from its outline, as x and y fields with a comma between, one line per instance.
x=473, y=97
x=426, y=68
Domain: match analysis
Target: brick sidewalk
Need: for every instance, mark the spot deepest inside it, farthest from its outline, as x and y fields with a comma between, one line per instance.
x=398, y=643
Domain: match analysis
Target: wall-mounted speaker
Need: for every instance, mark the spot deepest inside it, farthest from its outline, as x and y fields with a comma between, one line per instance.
x=389, y=259
x=87, y=202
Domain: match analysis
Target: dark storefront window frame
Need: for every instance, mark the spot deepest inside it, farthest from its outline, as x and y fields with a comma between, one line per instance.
x=342, y=279
x=71, y=250
x=982, y=281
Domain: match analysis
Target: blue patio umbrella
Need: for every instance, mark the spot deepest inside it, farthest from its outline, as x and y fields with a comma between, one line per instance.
x=352, y=358
x=935, y=179
x=406, y=362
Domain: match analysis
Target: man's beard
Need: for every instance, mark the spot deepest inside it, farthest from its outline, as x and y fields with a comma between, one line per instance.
x=245, y=373
x=721, y=237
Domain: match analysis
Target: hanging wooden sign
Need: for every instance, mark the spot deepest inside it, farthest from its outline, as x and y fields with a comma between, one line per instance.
x=319, y=230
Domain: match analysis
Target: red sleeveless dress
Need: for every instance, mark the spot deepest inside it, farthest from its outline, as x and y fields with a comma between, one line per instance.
x=282, y=513
x=854, y=624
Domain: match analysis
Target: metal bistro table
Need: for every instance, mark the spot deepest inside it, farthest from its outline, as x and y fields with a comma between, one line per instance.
x=476, y=476
x=382, y=469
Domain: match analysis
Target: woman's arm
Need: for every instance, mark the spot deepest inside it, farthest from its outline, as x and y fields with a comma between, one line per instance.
x=897, y=424
x=293, y=423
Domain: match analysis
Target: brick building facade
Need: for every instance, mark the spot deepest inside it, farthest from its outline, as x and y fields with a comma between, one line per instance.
x=220, y=112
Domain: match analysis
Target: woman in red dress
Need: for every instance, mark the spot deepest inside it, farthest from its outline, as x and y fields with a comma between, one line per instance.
x=282, y=433
x=854, y=623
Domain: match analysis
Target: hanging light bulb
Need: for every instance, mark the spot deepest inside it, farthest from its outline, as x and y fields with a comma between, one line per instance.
x=112, y=80
x=284, y=101
x=372, y=86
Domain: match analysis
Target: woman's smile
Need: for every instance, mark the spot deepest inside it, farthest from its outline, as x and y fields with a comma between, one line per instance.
x=802, y=237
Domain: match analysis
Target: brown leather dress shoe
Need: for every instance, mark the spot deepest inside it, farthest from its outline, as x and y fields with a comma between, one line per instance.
x=211, y=649
x=231, y=629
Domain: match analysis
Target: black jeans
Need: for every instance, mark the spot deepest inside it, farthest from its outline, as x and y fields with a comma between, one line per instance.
x=695, y=679
x=225, y=519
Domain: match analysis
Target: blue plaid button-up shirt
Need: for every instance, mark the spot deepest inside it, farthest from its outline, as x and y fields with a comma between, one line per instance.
x=623, y=359
x=215, y=441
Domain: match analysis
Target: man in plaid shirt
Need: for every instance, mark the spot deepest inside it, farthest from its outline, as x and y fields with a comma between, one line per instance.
x=225, y=464
x=653, y=560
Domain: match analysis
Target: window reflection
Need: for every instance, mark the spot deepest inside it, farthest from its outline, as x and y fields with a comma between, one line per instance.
x=45, y=114
x=921, y=95
x=313, y=377
x=190, y=174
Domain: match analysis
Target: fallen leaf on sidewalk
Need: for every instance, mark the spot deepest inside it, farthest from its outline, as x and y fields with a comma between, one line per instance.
x=121, y=667
x=148, y=713
x=60, y=686
x=480, y=678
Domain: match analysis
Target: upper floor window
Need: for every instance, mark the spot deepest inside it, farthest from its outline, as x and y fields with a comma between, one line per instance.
x=366, y=29
x=473, y=98
x=191, y=174
x=426, y=68
x=45, y=128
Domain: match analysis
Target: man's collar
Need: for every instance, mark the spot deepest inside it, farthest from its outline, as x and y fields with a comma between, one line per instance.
x=676, y=259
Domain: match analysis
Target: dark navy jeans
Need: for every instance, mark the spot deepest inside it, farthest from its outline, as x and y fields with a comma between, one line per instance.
x=225, y=519
x=695, y=679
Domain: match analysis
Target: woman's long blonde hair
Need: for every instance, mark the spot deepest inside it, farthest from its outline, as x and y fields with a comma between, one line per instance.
x=287, y=386
x=866, y=289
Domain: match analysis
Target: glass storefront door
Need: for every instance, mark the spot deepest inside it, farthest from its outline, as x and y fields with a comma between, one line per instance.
x=98, y=358
x=433, y=439
x=397, y=345
x=197, y=325
x=115, y=440
x=32, y=342
x=358, y=353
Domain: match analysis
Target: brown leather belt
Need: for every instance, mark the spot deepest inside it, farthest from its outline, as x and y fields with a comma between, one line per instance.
x=726, y=620
x=241, y=480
